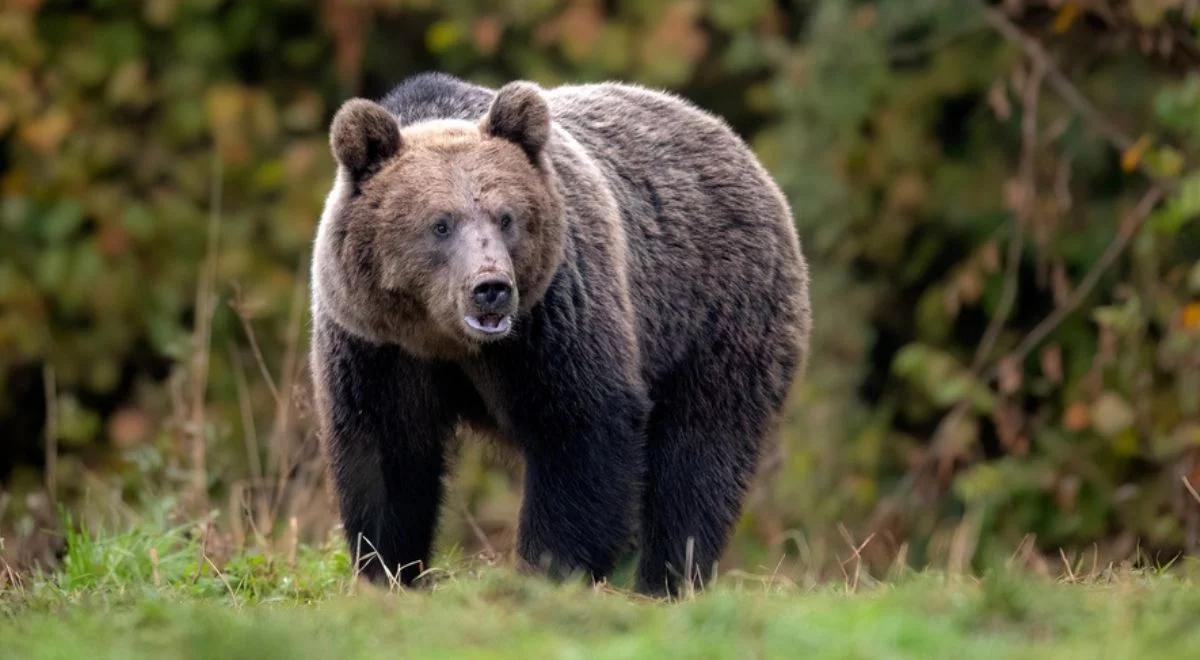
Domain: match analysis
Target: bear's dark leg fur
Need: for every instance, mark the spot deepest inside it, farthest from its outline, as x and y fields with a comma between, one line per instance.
x=568, y=394
x=582, y=486
x=703, y=442
x=386, y=425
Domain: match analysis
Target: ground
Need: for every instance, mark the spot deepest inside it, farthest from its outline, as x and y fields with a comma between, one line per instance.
x=155, y=594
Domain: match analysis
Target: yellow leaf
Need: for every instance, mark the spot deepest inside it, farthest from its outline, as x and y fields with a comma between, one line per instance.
x=1191, y=316
x=46, y=132
x=442, y=35
x=1066, y=17
x=1132, y=156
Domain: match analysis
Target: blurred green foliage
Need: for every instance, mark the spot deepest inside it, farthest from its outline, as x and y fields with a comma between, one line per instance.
x=142, y=142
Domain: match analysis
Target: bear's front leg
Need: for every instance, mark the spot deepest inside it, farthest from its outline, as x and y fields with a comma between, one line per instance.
x=384, y=421
x=583, y=475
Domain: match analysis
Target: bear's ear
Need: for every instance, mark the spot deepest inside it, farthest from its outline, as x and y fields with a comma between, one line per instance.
x=520, y=115
x=362, y=136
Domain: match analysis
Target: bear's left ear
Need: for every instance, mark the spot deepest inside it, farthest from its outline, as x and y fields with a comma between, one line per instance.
x=363, y=135
x=520, y=115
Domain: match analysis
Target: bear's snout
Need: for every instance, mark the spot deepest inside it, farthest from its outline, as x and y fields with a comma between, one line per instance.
x=492, y=301
x=492, y=295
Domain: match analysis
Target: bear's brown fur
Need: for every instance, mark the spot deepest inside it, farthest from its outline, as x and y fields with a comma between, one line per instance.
x=602, y=274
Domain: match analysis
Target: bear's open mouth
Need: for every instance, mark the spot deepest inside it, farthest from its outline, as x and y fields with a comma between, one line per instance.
x=490, y=324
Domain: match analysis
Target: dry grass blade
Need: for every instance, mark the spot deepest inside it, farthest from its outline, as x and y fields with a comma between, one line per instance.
x=155, y=576
x=232, y=594
x=203, y=556
x=12, y=577
x=201, y=342
x=856, y=557
x=393, y=577
x=489, y=551
x=240, y=311
x=774, y=573
x=51, y=432
x=1190, y=488
x=1067, y=565
x=246, y=410
x=689, y=576
x=292, y=540
x=281, y=441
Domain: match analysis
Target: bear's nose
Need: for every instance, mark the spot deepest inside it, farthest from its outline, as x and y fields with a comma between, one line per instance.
x=492, y=295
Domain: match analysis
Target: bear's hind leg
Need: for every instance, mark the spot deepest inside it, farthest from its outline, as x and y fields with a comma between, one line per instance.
x=703, y=442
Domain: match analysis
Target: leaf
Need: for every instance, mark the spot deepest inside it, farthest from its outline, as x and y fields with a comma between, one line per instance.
x=736, y=15
x=1181, y=208
x=1052, y=363
x=61, y=220
x=1111, y=414
x=1164, y=162
x=442, y=36
x=997, y=99
x=486, y=32
x=1189, y=317
x=1010, y=376
x=45, y=133
x=1077, y=417
x=1132, y=157
x=941, y=377
x=1065, y=17
x=1150, y=12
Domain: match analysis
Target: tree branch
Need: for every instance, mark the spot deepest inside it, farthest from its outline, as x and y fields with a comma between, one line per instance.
x=1057, y=80
x=1125, y=233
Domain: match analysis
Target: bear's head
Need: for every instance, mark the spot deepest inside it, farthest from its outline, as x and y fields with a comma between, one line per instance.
x=437, y=236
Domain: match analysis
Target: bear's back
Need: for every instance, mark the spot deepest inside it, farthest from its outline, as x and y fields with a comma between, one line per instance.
x=429, y=96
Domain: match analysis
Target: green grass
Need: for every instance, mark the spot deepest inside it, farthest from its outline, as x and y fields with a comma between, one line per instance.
x=111, y=599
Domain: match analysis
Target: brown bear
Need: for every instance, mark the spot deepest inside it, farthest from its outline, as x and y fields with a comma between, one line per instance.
x=602, y=275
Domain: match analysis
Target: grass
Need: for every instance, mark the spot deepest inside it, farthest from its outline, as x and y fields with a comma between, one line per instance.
x=157, y=594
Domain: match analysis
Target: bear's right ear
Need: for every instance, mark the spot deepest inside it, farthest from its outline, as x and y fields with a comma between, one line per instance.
x=520, y=115
x=362, y=136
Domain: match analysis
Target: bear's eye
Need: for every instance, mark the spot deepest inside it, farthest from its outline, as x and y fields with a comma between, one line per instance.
x=505, y=220
x=441, y=227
